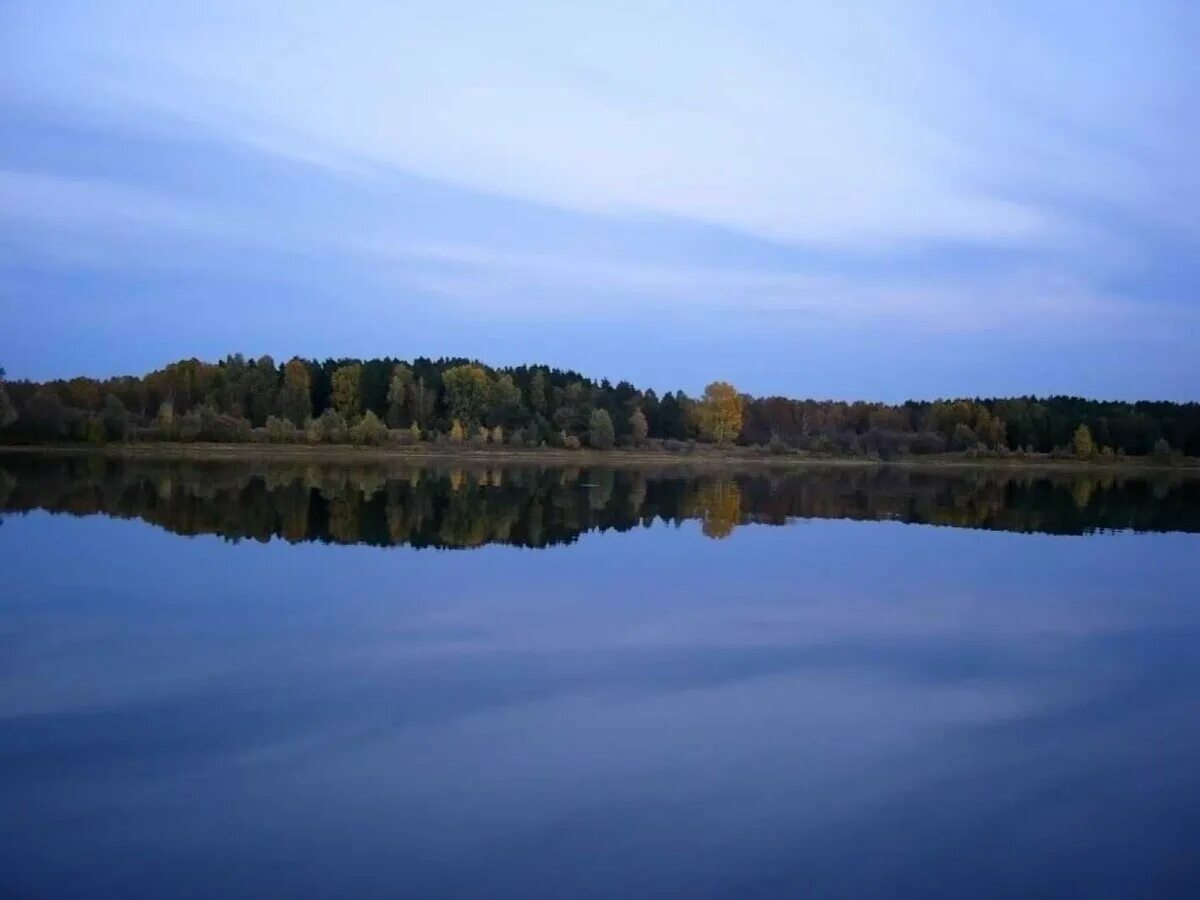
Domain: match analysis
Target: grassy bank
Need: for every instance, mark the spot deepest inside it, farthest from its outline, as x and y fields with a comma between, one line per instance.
x=699, y=457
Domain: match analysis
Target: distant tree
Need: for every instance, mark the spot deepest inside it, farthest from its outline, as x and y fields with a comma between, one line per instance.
x=262, y=385
x=415, y=430
x=497, y=435
x=638, y=427
x=295, y=400
x=1162, y=450
x=399, y=395
x=421, y=402
x=468, y=393
x=115, y=419
x=600, y=430
x=963, y=437
x=990, y=429
x=166, y=414
x=1082, y=443
x=8, y=412
x=672, y=420
x=95, y=432
x=347, y=391
x=720, y=412
x=537, y=393
x=457, y=434
x=504, y=403
x=46, y=417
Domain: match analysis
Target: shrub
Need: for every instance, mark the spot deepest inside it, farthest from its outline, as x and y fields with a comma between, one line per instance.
x=280, y=431
x=925, y=442
x=204, y=423
x=401, y=437
x=328, y=428
x=369, y=430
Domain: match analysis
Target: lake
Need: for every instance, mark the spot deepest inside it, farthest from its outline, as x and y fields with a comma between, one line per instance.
x=243, y=679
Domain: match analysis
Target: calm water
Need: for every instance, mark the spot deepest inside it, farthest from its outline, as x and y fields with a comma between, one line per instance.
x=240, y=681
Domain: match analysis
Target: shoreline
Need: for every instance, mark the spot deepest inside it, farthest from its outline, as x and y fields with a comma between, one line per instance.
x=701, y=458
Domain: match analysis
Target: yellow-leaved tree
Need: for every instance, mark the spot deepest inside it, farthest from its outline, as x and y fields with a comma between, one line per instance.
x=720, y=412
x=1082, y=443
x=347, y=390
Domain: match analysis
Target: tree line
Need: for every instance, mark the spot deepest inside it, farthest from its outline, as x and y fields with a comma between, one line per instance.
x=390, y=401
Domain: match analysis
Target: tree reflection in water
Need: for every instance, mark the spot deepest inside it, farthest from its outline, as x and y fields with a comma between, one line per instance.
x=462, y=505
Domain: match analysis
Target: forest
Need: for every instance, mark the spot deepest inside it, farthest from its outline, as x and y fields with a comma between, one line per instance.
x=392, y=402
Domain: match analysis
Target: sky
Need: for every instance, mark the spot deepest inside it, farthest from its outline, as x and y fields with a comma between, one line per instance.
x=856, y=200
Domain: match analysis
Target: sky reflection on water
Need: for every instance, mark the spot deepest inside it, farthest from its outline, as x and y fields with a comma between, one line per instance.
x=832, y=708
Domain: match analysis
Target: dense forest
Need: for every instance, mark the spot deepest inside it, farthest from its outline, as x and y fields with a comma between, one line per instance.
x=469, y=505
x=459, y=401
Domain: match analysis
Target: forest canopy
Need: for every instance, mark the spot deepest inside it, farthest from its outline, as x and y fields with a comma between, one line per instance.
x=393, y=401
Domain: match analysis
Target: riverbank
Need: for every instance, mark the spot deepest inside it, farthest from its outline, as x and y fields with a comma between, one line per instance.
x=699, y=457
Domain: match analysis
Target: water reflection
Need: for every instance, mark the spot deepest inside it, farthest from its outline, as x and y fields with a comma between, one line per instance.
x=445, y=505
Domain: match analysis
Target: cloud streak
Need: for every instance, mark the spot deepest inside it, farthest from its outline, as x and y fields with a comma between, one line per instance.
x=996, y=173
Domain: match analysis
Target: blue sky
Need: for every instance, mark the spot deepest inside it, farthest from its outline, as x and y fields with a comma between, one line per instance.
x=876, y=200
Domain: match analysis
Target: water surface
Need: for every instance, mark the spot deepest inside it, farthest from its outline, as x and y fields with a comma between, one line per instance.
x=246, y=680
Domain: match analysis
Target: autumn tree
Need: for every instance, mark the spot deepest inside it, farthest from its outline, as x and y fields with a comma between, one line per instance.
x=468, y=393
x=347, y=391
x=600, y=430
x=295, y=400
x=457, y=434
x=1082, y=442
x=720, y=412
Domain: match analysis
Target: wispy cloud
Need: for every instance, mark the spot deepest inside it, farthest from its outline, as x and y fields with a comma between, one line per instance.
x=997, y=170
